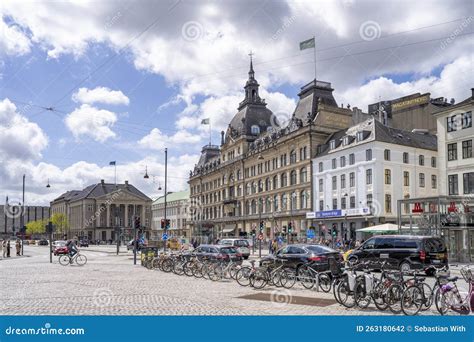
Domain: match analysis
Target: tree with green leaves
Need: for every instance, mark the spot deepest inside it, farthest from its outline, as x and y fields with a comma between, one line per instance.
x=60, y=222
x=36, y=227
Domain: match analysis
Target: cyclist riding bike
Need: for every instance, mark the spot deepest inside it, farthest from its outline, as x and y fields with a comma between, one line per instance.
x=71, y=248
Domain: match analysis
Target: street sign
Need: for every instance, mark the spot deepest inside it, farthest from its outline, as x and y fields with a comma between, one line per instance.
x=310, y=233
x=164, y=237
x=260, y=236
x=280, y=239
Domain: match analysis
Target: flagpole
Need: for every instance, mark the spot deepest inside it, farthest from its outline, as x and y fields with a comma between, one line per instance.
x=115, y=166
x=314, y=49
x=210, y=133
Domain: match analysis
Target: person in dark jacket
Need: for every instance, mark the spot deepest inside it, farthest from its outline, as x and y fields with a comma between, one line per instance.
x=8, y=248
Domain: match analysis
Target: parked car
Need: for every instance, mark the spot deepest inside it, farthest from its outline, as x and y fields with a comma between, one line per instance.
x=404, y=252
x=43, y=242
x=83, y=243
x=218, y=252
x=296, y=255
x=242, y=246
x=60, y=247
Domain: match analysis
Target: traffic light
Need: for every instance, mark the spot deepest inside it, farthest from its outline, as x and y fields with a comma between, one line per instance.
x=137, y=222
x=167, y=224
x=334, y=230
x=261, y=226
x=284, y=230
x=290, y=227
x=162, y=223
x=254, y=232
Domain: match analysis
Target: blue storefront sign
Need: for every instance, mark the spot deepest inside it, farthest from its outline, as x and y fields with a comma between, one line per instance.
x=329, y=213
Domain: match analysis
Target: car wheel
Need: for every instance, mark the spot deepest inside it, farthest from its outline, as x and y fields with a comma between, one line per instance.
x=246, y=257
x=405, y=267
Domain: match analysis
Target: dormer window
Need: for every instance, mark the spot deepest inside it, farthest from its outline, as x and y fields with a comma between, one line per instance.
x=255, y=130
x=345, y=141
x=360, y=136
x=332, y=144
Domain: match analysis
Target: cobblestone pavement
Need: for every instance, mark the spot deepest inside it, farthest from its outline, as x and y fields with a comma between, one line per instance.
x=112, y=285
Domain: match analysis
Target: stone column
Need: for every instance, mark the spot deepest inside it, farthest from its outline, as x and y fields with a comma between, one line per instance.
x=126, y=216
x=107, y=222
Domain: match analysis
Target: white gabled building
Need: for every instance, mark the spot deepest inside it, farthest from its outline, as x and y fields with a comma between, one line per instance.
x=361, y=172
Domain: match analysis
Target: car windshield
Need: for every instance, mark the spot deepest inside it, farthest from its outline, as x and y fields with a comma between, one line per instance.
x=241, y=243
x=229, y=250
x=225, y=242
x=320, y=249
x=60, y=243
x=435, y=246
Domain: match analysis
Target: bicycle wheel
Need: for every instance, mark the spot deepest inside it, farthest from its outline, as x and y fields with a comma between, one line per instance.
x=361, y=297
x=287, y=278
x=178, y=268
x=233, y=270
x=412, y=300
x=64, y=260
x=188, y=268
x=345, y=295
x=197, y=270
x=216, y=273
x=275, y=278
x=258, y=279
x=167, y=265
x=155, y=264
x=428, y=296
x=378, y=295
x=446, y=300
x=394, y=296
x=243, y=276
x=324, y=282
x=305, y=277
x=81, y=260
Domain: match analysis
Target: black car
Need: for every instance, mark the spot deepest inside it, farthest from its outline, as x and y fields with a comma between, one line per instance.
x=403, y=252
x=218, y=252
x=83, y=243
x=299, y=254
x=43, y=242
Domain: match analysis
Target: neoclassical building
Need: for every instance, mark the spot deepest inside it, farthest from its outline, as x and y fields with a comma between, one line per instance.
x=262, y=170
x=101, y=210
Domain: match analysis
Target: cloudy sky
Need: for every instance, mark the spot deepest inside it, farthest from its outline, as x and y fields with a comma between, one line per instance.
x=83, y=83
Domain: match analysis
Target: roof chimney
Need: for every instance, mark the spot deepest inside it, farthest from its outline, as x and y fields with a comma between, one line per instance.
x=102, y=181
x=472, y=93
x=126, y=182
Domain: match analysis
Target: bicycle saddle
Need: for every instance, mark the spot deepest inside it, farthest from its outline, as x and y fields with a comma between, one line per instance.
x=421, y=278
x=452, y=278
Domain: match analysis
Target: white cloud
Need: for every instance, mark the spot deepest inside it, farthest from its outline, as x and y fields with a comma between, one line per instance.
x=100, y=95
x=13, y=40
x=92, y=122
x=19, y=138
x=156, y=140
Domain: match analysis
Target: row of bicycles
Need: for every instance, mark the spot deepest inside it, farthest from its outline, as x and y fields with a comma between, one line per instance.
x=353, y=286
x=402, y=292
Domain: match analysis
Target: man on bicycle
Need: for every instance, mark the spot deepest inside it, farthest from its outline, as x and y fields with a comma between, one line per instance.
x=71, y=247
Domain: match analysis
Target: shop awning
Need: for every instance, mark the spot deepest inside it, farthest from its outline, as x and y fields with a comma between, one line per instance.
x=228, y=228
x=381, y=228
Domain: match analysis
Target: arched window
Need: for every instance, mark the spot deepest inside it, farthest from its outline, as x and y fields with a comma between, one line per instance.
x=303, y=174
x=254, y=188
x=275, y=182
x=238, y=174
x=268, y=205
x=260, y=185
x=284, y=202
x=254, y=207
x=267, y=184
x=303, y=200
x=292, y=157
x=293, y=177
x=283, y=179
x=255, y=130
x=237, y=209
x=248, y=208
x=249, y=189
x=254, y=94
x=293, y=201
x=275, y=202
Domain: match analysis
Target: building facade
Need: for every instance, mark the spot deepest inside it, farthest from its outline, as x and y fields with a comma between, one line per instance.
x=410, y=112
x=104, y=211
x=10, y=224
x=260, y=175
x=177, y=211
x=361, y=172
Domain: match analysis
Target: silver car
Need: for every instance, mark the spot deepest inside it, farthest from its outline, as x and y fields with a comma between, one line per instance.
x=242, y=246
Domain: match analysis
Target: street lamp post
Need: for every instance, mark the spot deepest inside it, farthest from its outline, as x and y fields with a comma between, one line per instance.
x=260, y=228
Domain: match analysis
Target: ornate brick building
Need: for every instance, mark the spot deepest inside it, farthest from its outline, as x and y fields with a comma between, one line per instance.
x=262, y=169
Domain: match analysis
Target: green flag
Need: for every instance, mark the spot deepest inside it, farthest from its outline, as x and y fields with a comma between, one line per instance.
x=307, y=44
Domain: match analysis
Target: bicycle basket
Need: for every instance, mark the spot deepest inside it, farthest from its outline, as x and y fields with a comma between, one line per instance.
x=334, y=267
x=466, y=272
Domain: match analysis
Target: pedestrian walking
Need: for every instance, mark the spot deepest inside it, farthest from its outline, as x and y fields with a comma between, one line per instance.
x=8, y=248
x=1, y=248
x=18, y=247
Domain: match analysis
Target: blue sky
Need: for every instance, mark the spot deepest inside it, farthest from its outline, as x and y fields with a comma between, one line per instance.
x=126, y=79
